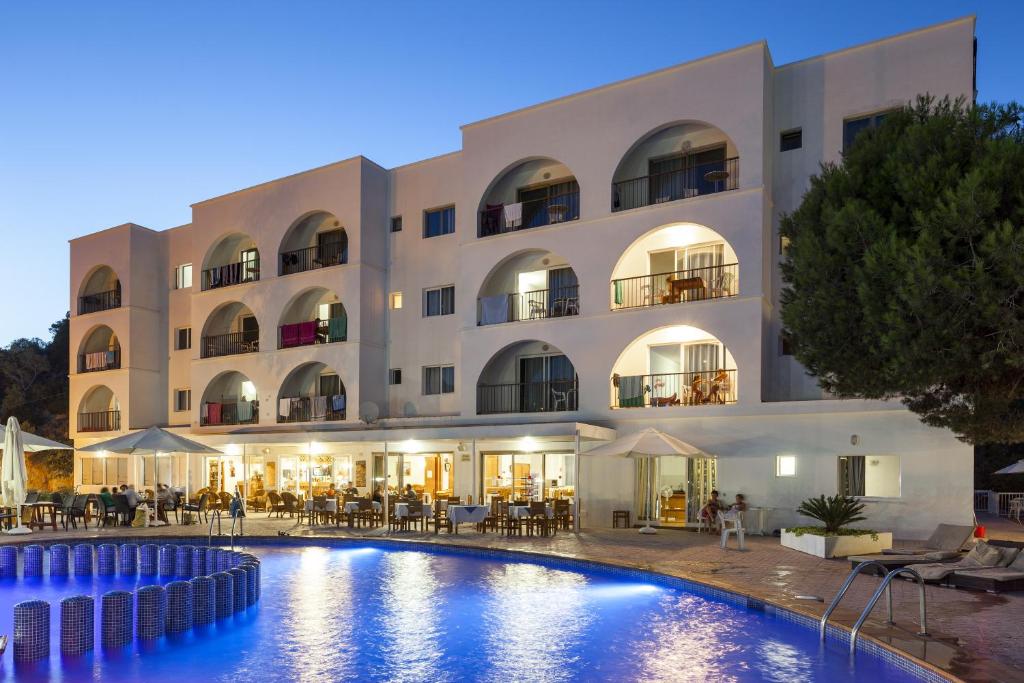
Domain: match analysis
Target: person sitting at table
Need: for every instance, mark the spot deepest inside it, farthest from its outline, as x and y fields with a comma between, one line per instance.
x=378, y=495
x=710, y=511
x=740, y=504
x=697, y=389
x=351, y=490
x=130, y=496
x=409, y=493
x=331, y=493
x=719, y=386
x=108, y=500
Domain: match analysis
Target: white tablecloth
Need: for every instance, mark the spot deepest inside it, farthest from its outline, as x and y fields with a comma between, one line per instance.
x=473, y=514
x=353, y=506
x=402, y=510
x=330, y=505
x=522, y=512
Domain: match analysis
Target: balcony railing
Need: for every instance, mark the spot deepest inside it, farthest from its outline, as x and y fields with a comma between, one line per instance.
x=100, y=421
x=696, y=284
x=500, y=218
x=231, y=274
x=527, y=397
x=228, y=344
x=231, y=413
x=99, y=360
x=675, y=389
x=542, y=303
x=311, y=258
x=313, y=409
x=693, y=181
x=312, y=332
x=100, y=301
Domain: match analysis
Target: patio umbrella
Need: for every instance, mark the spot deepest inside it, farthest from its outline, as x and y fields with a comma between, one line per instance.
x=33, y=443
x=648, y=443
x=12, y=475
x=1015, y=468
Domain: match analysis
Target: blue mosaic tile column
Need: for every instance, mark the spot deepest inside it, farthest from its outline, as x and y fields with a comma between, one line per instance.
x=224, y=560
x=199, y=562
x=59, y=559
x=167, y=560
x=116, y=619
x=150, y=611
x=8, y=562
x=83, y=560
x=106, y=559
x=33, y=560
x=240, y=589
x=77, y=631
x=250, y=582
x=225, y=594
x=179, y=606
x=211, y=561
x=129, y=559
x=204, y=600
x=31, y=630
x=148, y=559
x=183, y=560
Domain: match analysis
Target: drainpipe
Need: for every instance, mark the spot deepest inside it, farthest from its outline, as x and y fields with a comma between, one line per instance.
x=576, y=498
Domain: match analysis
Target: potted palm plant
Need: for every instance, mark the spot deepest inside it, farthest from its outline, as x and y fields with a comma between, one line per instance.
x=834, y=537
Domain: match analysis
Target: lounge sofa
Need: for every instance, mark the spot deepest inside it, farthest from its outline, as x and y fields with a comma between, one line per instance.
x=983, y=556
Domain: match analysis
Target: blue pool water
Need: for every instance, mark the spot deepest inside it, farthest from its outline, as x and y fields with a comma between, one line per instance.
x=362, y=613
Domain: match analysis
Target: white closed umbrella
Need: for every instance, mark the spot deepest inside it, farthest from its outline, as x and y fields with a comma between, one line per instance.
x=648, y=443
x=13, y=477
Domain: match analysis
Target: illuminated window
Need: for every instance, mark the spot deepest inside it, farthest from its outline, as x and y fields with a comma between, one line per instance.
x=396, y=300
x=785, y=466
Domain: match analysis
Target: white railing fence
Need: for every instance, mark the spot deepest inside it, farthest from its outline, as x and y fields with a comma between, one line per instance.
x=996, y=503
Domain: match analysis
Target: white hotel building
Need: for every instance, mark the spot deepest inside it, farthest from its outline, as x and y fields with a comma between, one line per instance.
x=580, y=269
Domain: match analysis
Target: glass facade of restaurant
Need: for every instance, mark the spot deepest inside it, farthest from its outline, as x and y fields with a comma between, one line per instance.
x=517, y=475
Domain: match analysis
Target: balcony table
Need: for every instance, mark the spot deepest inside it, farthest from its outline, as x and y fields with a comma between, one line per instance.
x=687, y=284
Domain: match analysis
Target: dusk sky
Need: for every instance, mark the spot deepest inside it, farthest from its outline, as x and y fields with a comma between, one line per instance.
x=116, y=112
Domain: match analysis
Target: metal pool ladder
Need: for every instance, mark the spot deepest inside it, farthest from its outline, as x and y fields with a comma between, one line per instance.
x=883, y=587
x=214, y=518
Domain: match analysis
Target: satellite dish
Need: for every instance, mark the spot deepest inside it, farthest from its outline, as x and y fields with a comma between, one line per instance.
x=368, y=412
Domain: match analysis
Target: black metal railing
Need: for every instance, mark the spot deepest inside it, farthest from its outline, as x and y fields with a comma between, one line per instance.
x=696, y=284
x=311, y=258
x=100, y=301
x=675, y=389
x=527, y=397
x=305, y=409
x=230, y=413
x=312, y=332
x=231, y=274
x=229, y=344
x=100, y=421
x=699, y=179
x=499, y=218
x=99, y=360
x=541, y=303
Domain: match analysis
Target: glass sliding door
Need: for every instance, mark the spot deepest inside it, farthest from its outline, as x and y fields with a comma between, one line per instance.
x=528, y=476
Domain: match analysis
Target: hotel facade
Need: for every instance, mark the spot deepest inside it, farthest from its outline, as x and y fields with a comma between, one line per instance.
x=473, y=323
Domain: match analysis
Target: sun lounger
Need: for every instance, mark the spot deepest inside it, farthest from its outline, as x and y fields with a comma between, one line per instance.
x=994, y=579
x=948, y=537
x=982, y=556
x=891, y=562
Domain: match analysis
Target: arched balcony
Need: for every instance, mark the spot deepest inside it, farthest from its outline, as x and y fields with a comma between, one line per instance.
x=99, y=411
x=232, y=261
x=677, y=161
x=229, y=399
x=530, y=194
x=527, y=377
x=315, y=316
x=673, y=264
x=311, y=392
x=529, y=285
x=314, y=241
x=100, y=350
x=100, y=291
x=674, y=366
x=231, y=329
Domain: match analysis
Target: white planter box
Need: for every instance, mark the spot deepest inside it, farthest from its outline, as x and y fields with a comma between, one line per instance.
x=837, y=546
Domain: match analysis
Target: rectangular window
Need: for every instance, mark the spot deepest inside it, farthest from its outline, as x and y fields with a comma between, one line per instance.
x=182, y=338
x=786, y=344
x=183, y=276
x=182, y=400
x=395, y=376
x=855, y=126
x=783, y=245
x=439, y=222
x=785, y=466
x=874, y=476
x=396, y=300
x=106, y=471
x=438, y=379
x=439, y=301
x=791, y=139
x=396, y=224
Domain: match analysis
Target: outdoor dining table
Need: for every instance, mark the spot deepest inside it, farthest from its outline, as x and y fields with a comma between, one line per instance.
x=330, y=505
x=472, y=514
x=353, y=506
x=39, y=511
x=402, y=510
x=523, y=511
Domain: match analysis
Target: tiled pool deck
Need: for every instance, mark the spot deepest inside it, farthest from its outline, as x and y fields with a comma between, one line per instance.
x=976, y=636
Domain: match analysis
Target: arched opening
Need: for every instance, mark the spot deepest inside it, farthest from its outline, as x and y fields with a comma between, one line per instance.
x=676, y=161
x=100, y=291
x=529, y=285
x=100, y=350
x=678, y=365
x=527, y=377
x=229, y=399
x=311, y=392
x=99, y=411
x=314, y=241
x=231, y=328
x=675, y=263
x=234, y=259
x=530, y=194
x=314, y=316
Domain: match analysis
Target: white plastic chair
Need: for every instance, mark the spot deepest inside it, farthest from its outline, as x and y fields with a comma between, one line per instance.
x=732, y=523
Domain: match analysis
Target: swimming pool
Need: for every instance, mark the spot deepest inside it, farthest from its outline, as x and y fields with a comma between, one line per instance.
x=359, y=612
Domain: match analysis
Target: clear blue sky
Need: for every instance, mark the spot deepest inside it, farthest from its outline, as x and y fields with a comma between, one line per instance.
x=114, y=112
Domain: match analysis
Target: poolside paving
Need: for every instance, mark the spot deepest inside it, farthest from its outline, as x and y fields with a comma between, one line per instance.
x=976, y=636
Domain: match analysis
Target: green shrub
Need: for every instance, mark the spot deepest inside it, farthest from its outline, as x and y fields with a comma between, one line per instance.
x=835, y=512
x=820, y=531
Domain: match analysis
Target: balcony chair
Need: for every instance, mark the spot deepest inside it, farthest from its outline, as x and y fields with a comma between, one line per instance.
x=561, y=397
